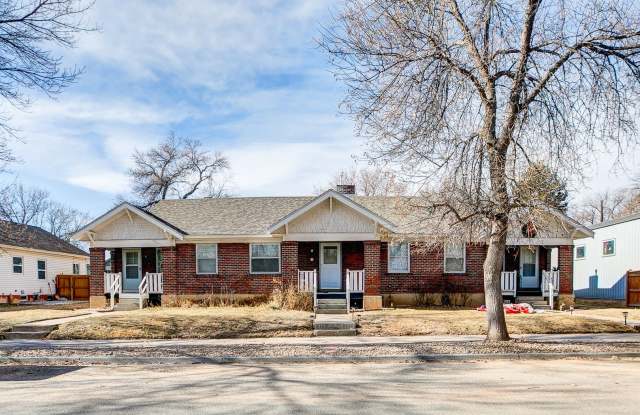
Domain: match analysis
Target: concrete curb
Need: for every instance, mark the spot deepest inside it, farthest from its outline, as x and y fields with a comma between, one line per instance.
x=144, y=360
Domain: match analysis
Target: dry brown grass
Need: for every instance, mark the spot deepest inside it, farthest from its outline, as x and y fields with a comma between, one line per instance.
x=10, y=315
x=611, y=313
x=412, y=322
x=198, y=323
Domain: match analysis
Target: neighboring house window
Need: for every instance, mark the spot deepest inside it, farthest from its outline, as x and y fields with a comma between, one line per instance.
x=88, y=269
x=42, y=269
x=609, y=247
x=76, y=269
x=17, y=265
x=159, y=260
x=454, y=258
x=206, y=259
x=265, y=258
x=581, y=251
x=398, y=257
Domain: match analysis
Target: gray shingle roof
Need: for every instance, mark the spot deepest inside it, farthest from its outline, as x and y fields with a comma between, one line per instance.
x=32, y=237
x=250, y=215
x=623, y=219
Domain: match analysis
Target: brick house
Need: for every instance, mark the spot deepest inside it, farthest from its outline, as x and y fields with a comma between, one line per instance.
x=336, y=244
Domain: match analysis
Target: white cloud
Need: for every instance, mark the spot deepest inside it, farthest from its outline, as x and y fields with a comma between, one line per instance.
x=102, y=181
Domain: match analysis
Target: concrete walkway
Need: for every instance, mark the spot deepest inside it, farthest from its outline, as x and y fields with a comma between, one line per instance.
x=319, y=341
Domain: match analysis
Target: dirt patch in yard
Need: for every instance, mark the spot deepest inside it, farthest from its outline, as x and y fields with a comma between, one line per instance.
x=413, y=322
x=11, y=315
x=196, y=323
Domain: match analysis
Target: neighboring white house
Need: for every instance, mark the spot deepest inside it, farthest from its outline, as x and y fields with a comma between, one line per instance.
x=30, y=259
x=600, y=263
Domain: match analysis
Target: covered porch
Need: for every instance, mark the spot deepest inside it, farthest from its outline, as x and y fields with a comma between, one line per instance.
x=529, y=269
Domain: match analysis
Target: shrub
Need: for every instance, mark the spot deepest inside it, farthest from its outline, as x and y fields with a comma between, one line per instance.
x=289, y=298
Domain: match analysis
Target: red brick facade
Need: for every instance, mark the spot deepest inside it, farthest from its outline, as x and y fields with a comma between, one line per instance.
x=96, y=266
x=426, y=268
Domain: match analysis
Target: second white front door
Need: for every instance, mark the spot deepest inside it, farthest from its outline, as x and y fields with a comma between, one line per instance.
x=528, y=267
x=330, y=266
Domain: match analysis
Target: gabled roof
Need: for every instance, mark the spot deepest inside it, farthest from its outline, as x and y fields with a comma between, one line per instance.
x=123, y=207
x=339, y=197
x=623, y=219
x=33, y=237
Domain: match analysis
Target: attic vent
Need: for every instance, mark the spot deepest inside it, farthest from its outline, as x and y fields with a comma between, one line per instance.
x=346, y=189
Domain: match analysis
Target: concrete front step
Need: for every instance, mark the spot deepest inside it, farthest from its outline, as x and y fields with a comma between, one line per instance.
x=29, y=331
x=322, y=306
x=348, y=332
x=342, y=301
x=34, y=327
x=331, y=311
x=334, y=325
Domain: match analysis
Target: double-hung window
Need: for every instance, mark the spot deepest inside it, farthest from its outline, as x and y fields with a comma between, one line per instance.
x=76, y=269
x=398, y=258
x=454, y=258
x=17, y=265
x=206, y=259
x=42, y=269
x=609, y=247
x=265, y=258
x=581, y=251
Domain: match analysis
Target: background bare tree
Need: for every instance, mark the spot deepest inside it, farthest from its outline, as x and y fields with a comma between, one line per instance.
x=607, y=205
x=177, y=168
x=34, y=207
x=370, y=181
x=464, y=95
x=28, y=30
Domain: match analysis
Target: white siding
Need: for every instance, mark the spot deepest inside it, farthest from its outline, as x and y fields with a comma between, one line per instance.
x=608, y=268
x=28, y=282
x=337, y=219
x=121, y=227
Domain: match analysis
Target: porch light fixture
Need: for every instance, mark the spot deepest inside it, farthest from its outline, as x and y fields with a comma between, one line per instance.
x=625, y=314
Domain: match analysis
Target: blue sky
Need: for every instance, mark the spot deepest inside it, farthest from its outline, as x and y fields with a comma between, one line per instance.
x=244, y=77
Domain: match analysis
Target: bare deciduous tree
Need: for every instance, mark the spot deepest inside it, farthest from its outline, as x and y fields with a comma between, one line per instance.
x=608, y=205
x=35, y=207
x=466, y=94
x=372, y=181
x=28, y=29
x=177, y=168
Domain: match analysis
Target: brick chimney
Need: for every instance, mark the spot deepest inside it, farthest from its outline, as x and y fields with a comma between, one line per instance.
x=346, y=189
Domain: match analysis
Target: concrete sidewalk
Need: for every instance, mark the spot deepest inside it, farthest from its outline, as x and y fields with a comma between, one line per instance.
x=605, y=338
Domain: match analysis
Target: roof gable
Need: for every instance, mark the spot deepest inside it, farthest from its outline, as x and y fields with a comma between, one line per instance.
x=331, y=195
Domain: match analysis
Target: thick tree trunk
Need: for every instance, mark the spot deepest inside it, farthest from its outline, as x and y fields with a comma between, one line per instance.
x=496, y=323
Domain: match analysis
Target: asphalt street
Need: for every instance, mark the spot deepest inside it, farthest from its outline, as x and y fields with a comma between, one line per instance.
x=512, y=387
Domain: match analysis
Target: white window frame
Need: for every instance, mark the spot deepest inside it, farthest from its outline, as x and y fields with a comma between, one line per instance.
x=580, y=258
x=159, y=263
x=270, y=257
x=392, y=271
x=197, y=265
x=615, y=247
x=73, y=268
x=88, y=268
x=21, y=265
x=464, y=260
x=38, y=268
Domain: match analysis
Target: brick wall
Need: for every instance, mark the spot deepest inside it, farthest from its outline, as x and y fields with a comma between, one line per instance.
x=372, y=283
x=565, y=265
x=427, y=272
x=289, y=262
x=96, y=266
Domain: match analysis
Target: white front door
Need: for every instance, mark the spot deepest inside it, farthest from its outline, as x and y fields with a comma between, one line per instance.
x=330, y=266
x=528, y=267
x=131, y=270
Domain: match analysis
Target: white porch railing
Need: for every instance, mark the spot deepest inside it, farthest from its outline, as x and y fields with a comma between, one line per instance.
x=553, y=278
x=508, y=282
x=151, y=283
x=113, y=285
x=308, y=283
x=354, y=284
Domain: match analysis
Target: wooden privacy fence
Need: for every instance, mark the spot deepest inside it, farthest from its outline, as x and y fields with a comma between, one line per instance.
x=73, y=287
x=633, y=288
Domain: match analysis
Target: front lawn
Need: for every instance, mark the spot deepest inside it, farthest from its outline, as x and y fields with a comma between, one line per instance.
x=611, y=313
x=11, y=315
x=413, y=322
x=196, y=323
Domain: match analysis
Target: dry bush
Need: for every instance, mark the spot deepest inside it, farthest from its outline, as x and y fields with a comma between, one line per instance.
x=289, y=298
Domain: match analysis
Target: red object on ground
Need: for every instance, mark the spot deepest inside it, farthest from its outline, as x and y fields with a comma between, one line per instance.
x=522, y=308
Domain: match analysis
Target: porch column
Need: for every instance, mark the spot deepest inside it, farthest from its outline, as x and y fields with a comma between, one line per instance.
x=169, y=273
x=96, y=279
x=289, y=262
x=565, y=266
x=372, y=297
